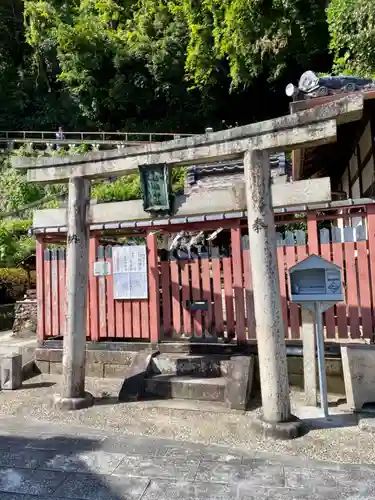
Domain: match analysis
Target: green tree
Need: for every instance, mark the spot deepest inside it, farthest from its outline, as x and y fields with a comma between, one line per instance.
x=352, y=36
x=172, y=64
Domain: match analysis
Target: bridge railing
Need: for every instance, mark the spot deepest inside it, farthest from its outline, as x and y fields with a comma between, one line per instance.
x=9, y=137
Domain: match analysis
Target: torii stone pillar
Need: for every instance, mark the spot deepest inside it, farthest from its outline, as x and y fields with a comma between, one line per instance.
x=73, y=395
x=276, y=419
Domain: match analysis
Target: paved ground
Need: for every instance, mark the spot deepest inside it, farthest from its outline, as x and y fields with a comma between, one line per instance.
x=205, y=423
x=49, y=461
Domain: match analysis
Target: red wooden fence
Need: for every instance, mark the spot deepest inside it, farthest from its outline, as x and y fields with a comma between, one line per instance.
x=222, y=281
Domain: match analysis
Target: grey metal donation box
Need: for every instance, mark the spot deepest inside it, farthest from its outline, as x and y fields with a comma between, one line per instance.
x=316, y=280
x=316, y=284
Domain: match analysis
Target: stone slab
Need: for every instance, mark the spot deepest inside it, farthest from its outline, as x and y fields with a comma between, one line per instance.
x=97, y=462
x=91, y=487
x=32, y=482
x=187, y=387
x=94, y=370
x=11, y=371
x=358, y=361
x=114, y=370
x=263, y=475
x=161, y=468
x=24, y=459
x=199, y=365
x=133, y=387
x=185, y=490
x=186, y=470
x=62, y=403
x=367, y=424
x=55, y=368
x=239, y=382
x=352, y=479
x=42, y=366
x=92, y=356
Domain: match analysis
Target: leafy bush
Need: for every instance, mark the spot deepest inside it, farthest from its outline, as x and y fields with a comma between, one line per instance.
x=13, y=284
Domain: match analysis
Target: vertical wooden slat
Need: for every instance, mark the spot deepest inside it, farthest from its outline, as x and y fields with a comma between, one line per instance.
x=127, y=318
x=136, y=319
x=228, y=294
x=218, y=300
x=351, y=283
x=342, y=320
x=62, y=289
x=370, y=209
x=119, y=315
x=102, y=298
x=290, y=257
x=312, y=234
x=40, y=287
x=111, y=320
x=166, y=294
x=93, y=295
x=325, y=252
x=206, y=292
x=196, y=294
x=281, y=264
x=145, y=325
x=250, y=316
x=238, y=284
x=364, y=289
x=88, y=309
x=176, y=300
x=55, y=293
x=186, y=296
x=47, y=293
x=153, y=287
x=301, y=255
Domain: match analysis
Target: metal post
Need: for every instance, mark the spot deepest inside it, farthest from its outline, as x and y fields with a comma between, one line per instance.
x=309, y=359
x=267, y=302
x=73, y=385
x=321, y=360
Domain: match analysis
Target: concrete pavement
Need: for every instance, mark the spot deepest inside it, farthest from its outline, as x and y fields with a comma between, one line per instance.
x=51, y=461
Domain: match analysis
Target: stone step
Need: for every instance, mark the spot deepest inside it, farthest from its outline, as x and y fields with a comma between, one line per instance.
x=186, y=387
x=184, y=364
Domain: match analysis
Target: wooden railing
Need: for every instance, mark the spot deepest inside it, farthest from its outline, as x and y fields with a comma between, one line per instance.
x=10, y=138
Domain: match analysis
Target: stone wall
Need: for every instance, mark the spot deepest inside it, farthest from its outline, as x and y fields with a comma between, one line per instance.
x=99, y=363
x=25, y=316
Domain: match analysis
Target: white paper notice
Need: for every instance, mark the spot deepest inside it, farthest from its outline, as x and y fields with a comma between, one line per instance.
x=130, y=272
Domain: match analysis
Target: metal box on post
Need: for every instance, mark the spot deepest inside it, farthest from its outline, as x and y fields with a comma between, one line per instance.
x=314, y=279
x=316, y=284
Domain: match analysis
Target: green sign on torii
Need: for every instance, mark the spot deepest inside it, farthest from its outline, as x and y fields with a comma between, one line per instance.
x=253, y=143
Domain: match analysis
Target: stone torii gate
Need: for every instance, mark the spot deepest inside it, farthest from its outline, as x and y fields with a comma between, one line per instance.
x=252, y=142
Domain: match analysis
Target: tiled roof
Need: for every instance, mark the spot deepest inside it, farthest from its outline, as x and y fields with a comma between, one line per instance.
x=277, y=160
x=311, y=85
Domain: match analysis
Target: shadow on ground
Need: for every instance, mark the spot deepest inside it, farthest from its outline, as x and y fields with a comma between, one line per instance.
x=62, y=467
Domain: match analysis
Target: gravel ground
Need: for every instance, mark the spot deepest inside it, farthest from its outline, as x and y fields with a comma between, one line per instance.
x=342, y=442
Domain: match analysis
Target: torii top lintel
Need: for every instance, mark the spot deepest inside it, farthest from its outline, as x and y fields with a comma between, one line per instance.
x=313, y=126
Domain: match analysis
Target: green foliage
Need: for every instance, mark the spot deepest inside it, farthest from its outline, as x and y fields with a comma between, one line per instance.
x=15, y=191
x=15, y=244
x=165, y=65
x=129, y=187
x=252, y=37
x=13, y=284
x=124, y=188
x=352, y=29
